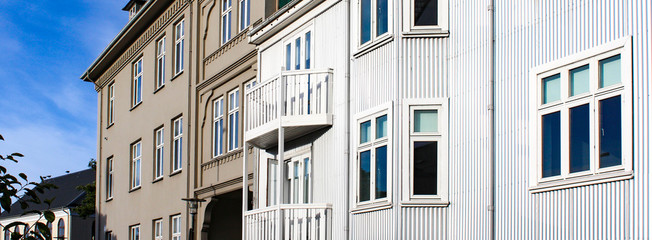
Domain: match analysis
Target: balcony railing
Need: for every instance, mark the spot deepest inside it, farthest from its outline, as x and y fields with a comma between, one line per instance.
x=298, y=221
x=295, y=98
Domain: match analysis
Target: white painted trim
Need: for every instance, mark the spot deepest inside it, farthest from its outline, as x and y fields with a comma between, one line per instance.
x=439, y=30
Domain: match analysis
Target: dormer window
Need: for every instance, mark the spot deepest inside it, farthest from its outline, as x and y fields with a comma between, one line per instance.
x=133, y=6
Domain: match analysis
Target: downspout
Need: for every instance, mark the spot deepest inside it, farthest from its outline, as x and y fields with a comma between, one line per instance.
x=190, y=192
x=347, y=79
x=492, y=123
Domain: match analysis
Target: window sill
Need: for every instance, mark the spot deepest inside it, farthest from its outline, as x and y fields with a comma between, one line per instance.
x=371, y=207
x=158, y=89
x=426, y=33
x=425, y=203
x=109, y=199
x=175, y=172
x=176, y=76
x=134, y=189
x=373, y=45
x=582, y=181
x=135, y=106
x=110, y=125
x=158, y=179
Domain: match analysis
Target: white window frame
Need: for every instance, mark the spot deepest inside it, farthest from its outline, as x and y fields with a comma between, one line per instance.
x=250, y=84
x=302, y=50
x=111, y=104
x=134, y=232
x=374, y=40
x=179, y=35
x=442, y=21
x=136, y=164
x=159, y=152
x=409, y=137
x=177, y=144
x=537, y=183
x=160, y=63
x=298, y=185
x=372, y=114
x=233, y=138
x=218, y=117
x=137, y=83
x=109, y=178
x=158, y=229
x=244, y=11
x=226, y=25
x=175, y=229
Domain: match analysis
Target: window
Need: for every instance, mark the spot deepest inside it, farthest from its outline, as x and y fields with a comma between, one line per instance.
x=178, y=47
x=137, y=84
x=177, y=141
x=176, y=227
x=160, y=63
x=110, y=112
x=583, y=118
x=426, y=16
x=234, y=104
x=244, y=13
x=158, y=229
x=372, y=155
x=250, y=84
x=61, y=229
x=134, y=232
x=7, y=234
x=374, y=20
x=26, y=230
x=158, y=151
x=298, y=51
x=135, y=165
x=298, y=179
x=49, y=225
x=109, y=178
x=108, y=235
x=218, y=127
x=226, y=21
x=426, y=166
x=282, y=3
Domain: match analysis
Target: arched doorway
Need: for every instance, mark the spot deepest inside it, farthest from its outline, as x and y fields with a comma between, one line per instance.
x=223, y=217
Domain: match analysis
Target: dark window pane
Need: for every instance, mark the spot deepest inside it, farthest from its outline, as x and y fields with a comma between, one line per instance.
x=282, y=3
x=610, y=132
x=288, y=57
x=551, y=147
x=365, y=175
x=425, y=168
x=381, y=17
x=307, y=49
x=365, y=21
x=381, y=172
x=580, y=139
x=425, y=12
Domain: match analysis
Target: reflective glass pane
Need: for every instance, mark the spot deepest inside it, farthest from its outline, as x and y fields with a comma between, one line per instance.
x=425, y=168
x=580, y=147
x=610, y=71
x=297, y=53
x=365, y=176
x=551, y=88
x=425, y=121
x=365, y=21
x=282, y=3
x=381, y=126
x=365, y=132
x=610, y=132
x=425, y=12
x=306, y=179
x=288, y=57
x=551, y=145
x=381, y=172
x=381, y=17
x=307, y=49
x=579, y=80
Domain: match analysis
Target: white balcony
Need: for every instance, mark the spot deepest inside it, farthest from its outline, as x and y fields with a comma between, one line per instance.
x=297, y=221
x=299, y=101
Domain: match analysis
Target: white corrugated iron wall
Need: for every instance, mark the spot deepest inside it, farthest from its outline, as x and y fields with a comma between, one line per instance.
x=530, y=33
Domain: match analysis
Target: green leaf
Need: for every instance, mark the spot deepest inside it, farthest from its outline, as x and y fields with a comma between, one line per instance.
x=43, y=229
x=1, y=138
x=17, y=154
x=49, y=215
x=23, y=176
x=5, y=202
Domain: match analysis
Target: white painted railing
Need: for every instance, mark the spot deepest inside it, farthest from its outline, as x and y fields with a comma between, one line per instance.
x=299, y=222
x=298, y=93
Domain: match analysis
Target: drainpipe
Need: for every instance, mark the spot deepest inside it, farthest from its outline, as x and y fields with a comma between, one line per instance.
x=347, y=79
x=190, y=192
x=492, y=124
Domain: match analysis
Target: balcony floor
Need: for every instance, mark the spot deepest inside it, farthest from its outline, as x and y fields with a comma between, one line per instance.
x=266, y=135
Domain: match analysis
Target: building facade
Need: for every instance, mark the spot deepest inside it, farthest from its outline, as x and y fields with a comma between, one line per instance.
x=384, y=119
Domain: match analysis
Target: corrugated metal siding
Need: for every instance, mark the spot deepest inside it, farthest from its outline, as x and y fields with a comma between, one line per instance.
x=424, y=223
x=530, y=33
x=424, y=68
x=373, y=78
x=378, y=225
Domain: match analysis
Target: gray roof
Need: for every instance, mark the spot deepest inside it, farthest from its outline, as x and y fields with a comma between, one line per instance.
x=66, y=195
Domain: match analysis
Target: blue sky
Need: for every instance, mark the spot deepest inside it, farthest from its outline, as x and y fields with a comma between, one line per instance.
x=46, y=112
